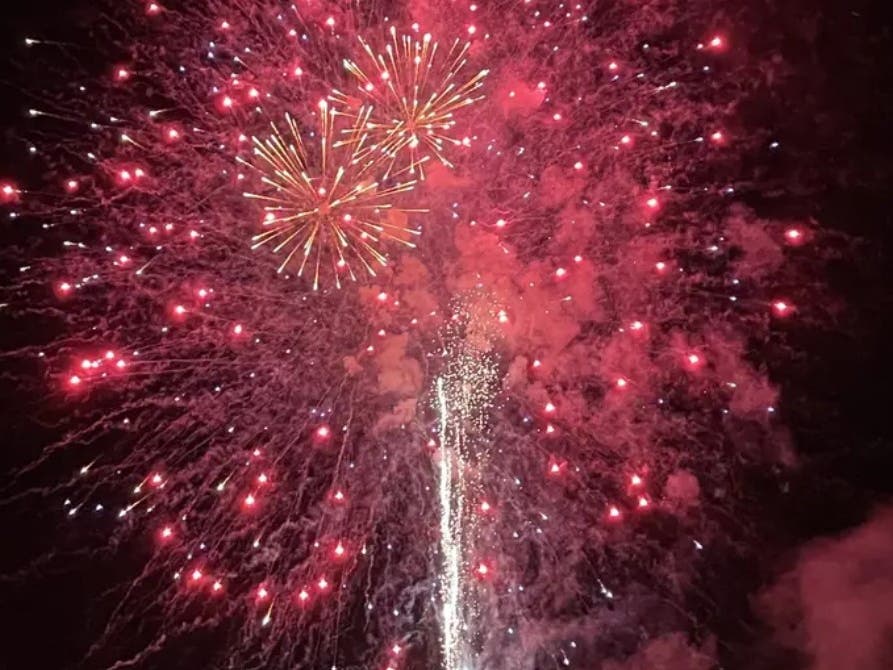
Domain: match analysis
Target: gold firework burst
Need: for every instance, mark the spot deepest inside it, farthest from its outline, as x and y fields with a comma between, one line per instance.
x=414, y=88
x=326, y=205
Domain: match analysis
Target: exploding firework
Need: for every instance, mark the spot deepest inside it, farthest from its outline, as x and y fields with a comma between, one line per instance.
x=333, y=211
x=415, y=88
x=387, y=476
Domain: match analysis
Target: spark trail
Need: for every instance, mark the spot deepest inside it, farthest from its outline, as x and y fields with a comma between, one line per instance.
x=451, y=502
x=465, y=394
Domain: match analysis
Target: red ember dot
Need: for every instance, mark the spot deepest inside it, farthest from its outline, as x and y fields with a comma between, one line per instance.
x=782, y=308
x=794, y=236
x=8, y=192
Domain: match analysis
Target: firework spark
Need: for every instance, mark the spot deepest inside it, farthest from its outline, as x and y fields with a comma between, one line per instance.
x=263, y=439
x=414, y=89
x=329, y=206
x=464, y=397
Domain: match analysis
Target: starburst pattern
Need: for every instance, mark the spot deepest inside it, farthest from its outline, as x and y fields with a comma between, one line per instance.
x=415, y=87
x=325, y=212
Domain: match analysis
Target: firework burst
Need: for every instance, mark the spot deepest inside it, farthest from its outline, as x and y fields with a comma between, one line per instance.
x=492, y=458
x=328, y=207
x=414, y=88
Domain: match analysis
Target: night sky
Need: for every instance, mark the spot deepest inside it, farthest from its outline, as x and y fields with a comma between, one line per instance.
x=797, y=570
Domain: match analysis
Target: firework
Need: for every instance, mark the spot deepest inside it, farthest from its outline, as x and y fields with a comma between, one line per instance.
x=391, y=477
x=328, y=207
x=414, y=87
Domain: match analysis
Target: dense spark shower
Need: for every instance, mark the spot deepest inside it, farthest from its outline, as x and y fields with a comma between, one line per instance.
x=464, y=398
x=504, y=447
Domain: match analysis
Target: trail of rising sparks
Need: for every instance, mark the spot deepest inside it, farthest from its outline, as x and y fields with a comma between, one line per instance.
x=464, y=397
x=414, y=88
x=451, y=500
x=328, y=206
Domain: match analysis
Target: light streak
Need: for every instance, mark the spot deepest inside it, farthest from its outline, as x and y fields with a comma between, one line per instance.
x=464, y=397
x=451, y=503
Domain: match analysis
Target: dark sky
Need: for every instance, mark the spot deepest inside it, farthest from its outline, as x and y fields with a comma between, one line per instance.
x=836, y=395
